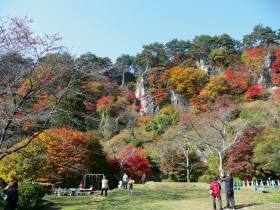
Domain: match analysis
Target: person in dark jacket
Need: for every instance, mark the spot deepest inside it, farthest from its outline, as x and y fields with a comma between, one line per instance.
x=229, y=189
x=215, y=187
x=11, y=195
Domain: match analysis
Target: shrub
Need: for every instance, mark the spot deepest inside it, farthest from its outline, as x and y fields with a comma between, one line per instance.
x=254, y=92
x=249, y=113
x=205, y=179
x=30, y=196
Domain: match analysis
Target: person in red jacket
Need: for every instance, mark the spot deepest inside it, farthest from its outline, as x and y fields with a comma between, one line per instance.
x=215, y=187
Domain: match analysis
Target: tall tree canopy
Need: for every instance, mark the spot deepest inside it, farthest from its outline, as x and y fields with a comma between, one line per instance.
x=30, y=86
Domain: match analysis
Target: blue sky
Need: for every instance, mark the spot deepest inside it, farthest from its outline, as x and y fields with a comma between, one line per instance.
x=115, y=27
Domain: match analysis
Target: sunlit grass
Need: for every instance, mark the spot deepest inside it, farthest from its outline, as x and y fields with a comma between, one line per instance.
x=164, y=196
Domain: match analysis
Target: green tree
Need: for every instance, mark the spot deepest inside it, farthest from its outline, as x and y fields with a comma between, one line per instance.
x=202, y=46
x=266, y=152
x=260, y=37
x=90, y=62
x=177, y=51
x=125, y=64
x=225, y=41
x=152, y=55
x=220, y=56
x=71, y=109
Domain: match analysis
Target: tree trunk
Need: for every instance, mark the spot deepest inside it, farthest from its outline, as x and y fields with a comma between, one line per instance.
x=188, y=165
x=221, y=164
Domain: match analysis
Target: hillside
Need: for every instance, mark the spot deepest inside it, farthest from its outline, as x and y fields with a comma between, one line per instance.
x=183, y=111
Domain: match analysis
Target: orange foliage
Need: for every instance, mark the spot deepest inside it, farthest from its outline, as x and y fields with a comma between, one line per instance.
x=66, y=148
x=144, y=119
x=238, y=81
x=158, y=78
x=276, y=96
x=276, y=79
x=39, y=106
x=26, y=86
x=254, y=59
x=133, y=107
x=105, y=103
x=200, y=102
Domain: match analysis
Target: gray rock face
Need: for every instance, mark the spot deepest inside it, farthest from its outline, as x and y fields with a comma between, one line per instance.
x=175, y=99
x=266, y=76
x=209, y=69
x=145, y=101
x=143, y=96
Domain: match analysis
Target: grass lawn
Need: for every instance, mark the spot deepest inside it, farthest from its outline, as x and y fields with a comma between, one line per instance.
x=164, y=196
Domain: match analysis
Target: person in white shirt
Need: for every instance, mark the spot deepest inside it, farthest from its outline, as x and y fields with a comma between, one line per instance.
x=104, y=186
x=125, y=180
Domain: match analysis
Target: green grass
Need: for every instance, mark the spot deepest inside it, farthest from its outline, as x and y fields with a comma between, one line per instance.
x=163, y=196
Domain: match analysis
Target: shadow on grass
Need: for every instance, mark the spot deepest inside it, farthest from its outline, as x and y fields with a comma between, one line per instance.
x=246, y=205
x=49, y=206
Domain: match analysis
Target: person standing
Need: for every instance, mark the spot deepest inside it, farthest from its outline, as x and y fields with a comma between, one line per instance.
x=215, y=187
x=11, y=195
x=104, y=186
x=130, y=186
x=125, y=180
x=143, y=178
x=81, y=185
x=229, y=189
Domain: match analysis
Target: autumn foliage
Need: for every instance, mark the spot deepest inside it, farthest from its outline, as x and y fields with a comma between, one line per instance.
x=66, y=151
x=158, y=80
x=237, y=81
x=134, y=165
x=276, y=63
x=276, y=79
x=254, y=92
x=276, y=96
x=254, y=59
x=55, y=155
x=216, y=86
x=104, y=103
x=240, y=156
x=187, y=81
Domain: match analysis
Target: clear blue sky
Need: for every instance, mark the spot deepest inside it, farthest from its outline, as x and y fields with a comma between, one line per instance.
x=115, y=27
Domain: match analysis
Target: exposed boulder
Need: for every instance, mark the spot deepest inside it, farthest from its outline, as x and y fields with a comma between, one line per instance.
x=175, y=99
x=266, y=76
x=209, y=69
x=143, y=96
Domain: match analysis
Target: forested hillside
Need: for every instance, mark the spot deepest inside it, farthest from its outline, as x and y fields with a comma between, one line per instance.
x=183, y=110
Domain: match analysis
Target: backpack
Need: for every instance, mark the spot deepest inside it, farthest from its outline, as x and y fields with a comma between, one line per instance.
x=216, y=188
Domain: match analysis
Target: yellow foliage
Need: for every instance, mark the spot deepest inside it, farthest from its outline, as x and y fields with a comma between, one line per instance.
x=216, y=86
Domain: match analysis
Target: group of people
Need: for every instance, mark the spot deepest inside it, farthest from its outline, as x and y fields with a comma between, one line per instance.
x=10, y=193
x=127, y=183
x=215, y=189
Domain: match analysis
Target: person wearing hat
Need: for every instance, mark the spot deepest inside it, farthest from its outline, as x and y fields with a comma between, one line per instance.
x=229, y=189
x=215, y=189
